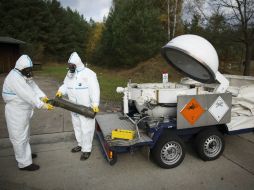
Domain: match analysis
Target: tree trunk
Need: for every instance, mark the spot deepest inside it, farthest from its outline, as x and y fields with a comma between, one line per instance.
x=247, y=62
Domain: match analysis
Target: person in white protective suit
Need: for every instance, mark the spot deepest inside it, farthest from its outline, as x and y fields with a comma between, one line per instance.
x=22, y=95
x=82, y=87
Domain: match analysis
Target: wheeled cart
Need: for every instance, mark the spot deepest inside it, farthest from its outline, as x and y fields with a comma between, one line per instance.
x=203, y=107
x=105, y=123
x=165, y=137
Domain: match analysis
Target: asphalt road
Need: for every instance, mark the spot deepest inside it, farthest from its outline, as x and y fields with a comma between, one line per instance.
x=61, y=169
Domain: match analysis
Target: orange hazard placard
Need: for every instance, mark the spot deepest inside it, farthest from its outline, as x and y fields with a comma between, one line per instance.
x=192, y=111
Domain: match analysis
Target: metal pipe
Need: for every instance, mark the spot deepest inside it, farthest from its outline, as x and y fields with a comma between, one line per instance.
x=68, y=105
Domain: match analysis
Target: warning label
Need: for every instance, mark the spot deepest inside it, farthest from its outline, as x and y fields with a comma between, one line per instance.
x=192, y=111
x=218, y=109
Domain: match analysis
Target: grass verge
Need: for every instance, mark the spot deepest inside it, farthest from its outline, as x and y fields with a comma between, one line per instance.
x=109, y=79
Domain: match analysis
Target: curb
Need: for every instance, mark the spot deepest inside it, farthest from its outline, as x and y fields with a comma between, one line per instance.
x=42, y=139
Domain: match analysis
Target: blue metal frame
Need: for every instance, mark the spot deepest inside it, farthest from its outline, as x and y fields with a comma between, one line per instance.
x=158, y=131
x=102, y=141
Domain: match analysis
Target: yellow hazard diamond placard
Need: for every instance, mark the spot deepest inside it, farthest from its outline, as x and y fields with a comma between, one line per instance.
x=192, y=111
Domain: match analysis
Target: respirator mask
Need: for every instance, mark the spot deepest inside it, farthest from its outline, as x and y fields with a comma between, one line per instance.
x=27, y=73
x=72, y=69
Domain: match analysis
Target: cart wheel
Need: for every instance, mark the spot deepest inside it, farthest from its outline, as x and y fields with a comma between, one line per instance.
x=169, y=151
x=114, y=159
x=209, y=144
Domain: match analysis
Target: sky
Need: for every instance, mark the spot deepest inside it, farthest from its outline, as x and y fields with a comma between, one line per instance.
x=95, y=9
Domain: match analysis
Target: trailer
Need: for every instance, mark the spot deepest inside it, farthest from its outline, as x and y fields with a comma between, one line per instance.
x=204, y=107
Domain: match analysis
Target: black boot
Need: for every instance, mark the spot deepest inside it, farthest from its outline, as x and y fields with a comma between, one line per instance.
x=85, y=155
x=34, y=155
x=31, y=167
x=76, y=149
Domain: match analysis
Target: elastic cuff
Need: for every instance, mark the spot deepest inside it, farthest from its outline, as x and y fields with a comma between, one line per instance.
x=87, y=148
x=25, y=164
x=40, y=104
x=95, y=104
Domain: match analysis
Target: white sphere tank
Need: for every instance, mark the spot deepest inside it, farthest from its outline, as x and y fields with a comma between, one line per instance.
x=194, y=56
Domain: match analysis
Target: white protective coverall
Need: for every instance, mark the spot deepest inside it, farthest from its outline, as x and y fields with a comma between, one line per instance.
x=21, y=96
x=82, y=88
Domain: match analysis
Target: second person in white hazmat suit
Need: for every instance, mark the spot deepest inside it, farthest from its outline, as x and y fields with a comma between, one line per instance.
x=22, y=95
x=82, y=87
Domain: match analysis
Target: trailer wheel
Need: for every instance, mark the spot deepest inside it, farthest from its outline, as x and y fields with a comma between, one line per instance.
x=209, y=144
x=169, y=151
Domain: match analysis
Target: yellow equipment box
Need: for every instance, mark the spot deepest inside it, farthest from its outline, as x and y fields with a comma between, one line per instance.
x=123, y=134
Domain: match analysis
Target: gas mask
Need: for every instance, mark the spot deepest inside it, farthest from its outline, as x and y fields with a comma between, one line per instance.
x=27, y=72
x=72, y=68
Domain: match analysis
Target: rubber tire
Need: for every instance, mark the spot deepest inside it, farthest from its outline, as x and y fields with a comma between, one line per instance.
x=156, y=151
x=200, y=140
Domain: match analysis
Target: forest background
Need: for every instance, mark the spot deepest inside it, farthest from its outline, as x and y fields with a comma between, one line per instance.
x=133, y=32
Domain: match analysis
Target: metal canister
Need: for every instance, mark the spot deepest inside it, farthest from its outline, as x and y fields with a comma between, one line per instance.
x=68, y=105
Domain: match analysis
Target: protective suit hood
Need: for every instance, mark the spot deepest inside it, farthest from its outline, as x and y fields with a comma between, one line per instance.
x=75, y=59
x=23, y=62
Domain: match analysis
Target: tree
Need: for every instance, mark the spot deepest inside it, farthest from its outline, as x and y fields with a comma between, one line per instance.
x=49, y=30
x=132, y=33
x=93, y=39
x=170, y=16
x=240, y=14
x=195, y=7
x=220, y=34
